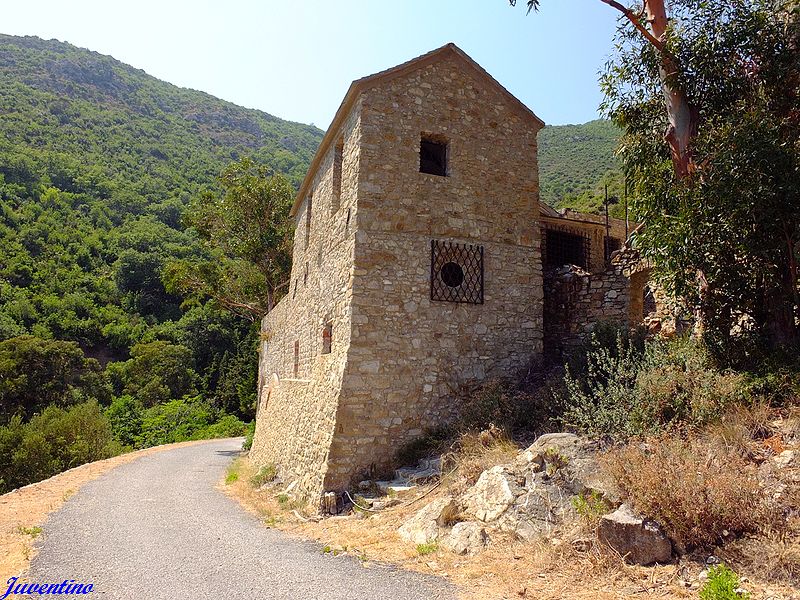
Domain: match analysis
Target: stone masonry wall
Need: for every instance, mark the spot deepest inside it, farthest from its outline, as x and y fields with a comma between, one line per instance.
x=296, y=414
x=408, y=354
x=576, y=300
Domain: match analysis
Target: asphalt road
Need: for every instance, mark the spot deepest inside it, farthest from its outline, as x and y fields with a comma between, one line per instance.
x=157, y=528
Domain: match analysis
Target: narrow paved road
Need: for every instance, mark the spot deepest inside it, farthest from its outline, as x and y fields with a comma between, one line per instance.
x=157, y=528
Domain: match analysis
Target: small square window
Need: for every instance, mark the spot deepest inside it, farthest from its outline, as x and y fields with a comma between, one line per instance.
x=433, y=156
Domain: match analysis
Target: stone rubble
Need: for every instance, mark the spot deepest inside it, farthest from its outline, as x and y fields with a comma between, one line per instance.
x=429, y=523
x=529, y=497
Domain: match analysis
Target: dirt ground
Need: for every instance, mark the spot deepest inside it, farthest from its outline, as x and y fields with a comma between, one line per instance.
x=507, y=569
x=23, y=511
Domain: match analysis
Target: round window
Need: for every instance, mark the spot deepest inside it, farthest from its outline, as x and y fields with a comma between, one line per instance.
x=452, y=274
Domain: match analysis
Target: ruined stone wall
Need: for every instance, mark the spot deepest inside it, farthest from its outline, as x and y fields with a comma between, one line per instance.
x=576, y=300
x=408, y=354
x=296, y=414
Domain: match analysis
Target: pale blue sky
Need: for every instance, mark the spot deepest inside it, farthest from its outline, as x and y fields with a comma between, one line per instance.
x=294, y=59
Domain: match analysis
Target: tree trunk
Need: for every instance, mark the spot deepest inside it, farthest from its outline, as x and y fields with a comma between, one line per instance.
x=682, y=115
x=779, y=309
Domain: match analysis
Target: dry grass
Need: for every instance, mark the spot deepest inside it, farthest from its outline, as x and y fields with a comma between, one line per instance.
x=23, y=511
x=472, y=455
x=695, y=488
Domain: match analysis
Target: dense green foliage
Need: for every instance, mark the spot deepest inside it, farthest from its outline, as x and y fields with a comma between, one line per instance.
x=630, y=388
x=248, y=234
x=98, y=164
x=575, y=164
x=726, y=237
x=52, y=441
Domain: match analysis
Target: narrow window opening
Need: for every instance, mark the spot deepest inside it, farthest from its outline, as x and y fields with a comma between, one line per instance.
x=433, y=155
x=305, y=276
x=308, y=218
x=294, y=293
x=327, y=334
x=337, y=174
x=296, y=359
x=347, y=222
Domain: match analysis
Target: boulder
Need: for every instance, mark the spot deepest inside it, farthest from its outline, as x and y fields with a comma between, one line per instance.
x=495, y=491
x=468, y=537
x=640, y=541
x=427, y=524
x=571, y=461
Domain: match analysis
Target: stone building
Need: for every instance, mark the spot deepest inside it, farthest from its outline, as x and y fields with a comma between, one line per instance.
x=417, y=268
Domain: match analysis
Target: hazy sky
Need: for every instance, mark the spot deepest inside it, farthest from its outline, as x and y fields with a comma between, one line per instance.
x=295, y=59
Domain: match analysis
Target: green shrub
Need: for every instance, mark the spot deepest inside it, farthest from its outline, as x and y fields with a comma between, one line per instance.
x=173, y=421
x=224, y=427
x=251, y=432
x=625, y=391
x=125, y=416
x=425, y=549
x=591, y=506
x=53, y=441
x=265, y=475
x=722, y=585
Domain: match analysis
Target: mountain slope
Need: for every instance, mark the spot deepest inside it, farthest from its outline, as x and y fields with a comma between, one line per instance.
x=145, y=135
x=574, y=158
x=98, y=161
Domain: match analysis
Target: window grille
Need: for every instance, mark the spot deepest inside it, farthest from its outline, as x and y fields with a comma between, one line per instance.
x=456, y=272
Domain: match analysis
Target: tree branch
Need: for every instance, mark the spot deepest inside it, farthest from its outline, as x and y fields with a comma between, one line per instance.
x=631, y=16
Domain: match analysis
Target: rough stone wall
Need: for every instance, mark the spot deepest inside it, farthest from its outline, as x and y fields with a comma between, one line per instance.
x=408, y=354
x=576, y=300
x=296, y=414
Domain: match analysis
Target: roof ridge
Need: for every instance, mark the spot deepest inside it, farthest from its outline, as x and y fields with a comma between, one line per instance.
x=359, y=85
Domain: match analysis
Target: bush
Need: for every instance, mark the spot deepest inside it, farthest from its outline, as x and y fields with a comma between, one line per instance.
x=265, y=475
x=248, y=440
x=533, y=405
x=226, y=426
x=187, y=419
x=626, y=391
x=52, y=442
x=722, y=585
x=125, y=416
x=694, y=488
x=173, y=421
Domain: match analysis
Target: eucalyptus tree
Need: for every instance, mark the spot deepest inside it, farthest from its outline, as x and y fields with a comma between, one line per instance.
x=708, y=96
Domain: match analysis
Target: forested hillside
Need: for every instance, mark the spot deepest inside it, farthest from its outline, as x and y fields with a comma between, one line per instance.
x=97, y=162
x=576, y=162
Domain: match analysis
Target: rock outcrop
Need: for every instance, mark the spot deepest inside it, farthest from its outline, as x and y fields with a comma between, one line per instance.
x=430, y=522
x=639, y=541
x=467, y=537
